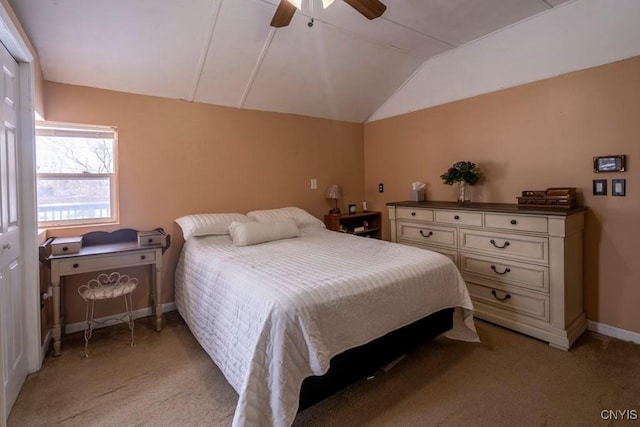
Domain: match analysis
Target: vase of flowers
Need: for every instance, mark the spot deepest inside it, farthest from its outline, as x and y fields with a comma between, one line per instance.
x=462, y=173
x=462, y=192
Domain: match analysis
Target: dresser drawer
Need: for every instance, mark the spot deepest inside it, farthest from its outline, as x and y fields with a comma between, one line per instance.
x=537, y=224
x=104, y=262
x=417, y=214
x=452, y=254
x=427, y=234
x=460, y=218
x=506, y=272
x=511, y=245
x=510, y=300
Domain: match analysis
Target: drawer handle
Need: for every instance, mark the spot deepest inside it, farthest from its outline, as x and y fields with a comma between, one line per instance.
x=429, y=234
x=413, y=214
x=65, y=249
x=513, y=222
x=76, y=265
x=506, y=270
x=150, y=240
x=493, y=242
x=495, y=294
x=143, y=257
x=457, y=217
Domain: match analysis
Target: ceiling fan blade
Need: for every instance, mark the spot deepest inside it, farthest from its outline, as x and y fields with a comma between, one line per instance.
x=283, y=14
x=369, y=8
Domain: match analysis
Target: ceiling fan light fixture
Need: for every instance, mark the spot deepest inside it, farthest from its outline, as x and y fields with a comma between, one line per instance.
x=296, y=3
x=371, y=9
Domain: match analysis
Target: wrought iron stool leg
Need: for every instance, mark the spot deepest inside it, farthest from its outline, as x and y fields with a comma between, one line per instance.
x=128, y=303
x=88, y=328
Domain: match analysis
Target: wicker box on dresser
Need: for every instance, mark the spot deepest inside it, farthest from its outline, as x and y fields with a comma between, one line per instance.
x=522, y=265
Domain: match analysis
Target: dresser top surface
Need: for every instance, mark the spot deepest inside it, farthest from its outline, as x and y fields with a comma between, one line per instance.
x=511, y=208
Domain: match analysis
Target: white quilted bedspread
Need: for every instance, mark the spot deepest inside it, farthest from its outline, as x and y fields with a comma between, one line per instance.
x=272, y=314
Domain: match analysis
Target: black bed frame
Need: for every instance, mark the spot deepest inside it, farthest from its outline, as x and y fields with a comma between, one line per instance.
x=359, y=362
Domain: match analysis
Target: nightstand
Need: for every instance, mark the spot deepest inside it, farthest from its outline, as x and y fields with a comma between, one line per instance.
x=366, y=224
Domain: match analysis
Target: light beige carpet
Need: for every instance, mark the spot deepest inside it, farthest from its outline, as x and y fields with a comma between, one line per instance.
x=507, y=380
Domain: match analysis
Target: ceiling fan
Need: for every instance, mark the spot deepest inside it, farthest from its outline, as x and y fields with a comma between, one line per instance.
x=284, y=13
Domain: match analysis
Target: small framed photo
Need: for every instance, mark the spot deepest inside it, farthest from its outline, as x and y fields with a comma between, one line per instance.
x=599, y=187
x=352, y=209
x=618, y=187
x=609, y=163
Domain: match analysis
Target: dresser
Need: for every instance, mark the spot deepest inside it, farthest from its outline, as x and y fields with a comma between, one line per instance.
x=522, y=265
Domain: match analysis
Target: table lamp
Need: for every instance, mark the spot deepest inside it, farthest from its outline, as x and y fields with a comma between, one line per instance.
x=334, y=192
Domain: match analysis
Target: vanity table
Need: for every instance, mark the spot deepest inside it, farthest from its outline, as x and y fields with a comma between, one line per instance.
x=102, y=251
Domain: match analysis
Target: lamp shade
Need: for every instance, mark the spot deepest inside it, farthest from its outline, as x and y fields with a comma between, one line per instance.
x=334, y=192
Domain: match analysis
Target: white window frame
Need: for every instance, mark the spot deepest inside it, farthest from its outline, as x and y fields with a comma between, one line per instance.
x=44, y=128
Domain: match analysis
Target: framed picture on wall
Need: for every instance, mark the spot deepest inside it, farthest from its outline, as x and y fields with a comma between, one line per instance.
x=609, y=163
x=599, y=187
x=618, y=187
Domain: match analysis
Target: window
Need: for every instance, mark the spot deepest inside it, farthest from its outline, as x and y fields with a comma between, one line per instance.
x=76, y=172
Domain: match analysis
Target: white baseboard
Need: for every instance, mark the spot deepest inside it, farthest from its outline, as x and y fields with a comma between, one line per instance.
x=612, y=331
x=45, y=346
x=104, y=321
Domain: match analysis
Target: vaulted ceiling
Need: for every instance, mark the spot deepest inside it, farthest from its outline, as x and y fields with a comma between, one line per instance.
x=224, y=52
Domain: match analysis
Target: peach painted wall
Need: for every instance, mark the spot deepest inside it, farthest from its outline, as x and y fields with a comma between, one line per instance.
x=177, y=157
x=532, y=137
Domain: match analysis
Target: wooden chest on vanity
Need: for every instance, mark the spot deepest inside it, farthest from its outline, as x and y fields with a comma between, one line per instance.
x=522, y=265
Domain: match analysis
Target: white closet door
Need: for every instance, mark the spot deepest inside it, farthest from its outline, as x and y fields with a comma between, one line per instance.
x=12, y=304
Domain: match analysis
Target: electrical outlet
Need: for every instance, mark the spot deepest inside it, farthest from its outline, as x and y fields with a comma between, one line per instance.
x=314, y=184
x=380, y=188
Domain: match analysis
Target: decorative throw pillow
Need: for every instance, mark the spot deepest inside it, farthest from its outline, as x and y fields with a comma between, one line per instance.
x=252, y=233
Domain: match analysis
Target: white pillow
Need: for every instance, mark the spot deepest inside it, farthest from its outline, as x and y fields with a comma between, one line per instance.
x=206, y=224
x=300, y=216
x=252, y=233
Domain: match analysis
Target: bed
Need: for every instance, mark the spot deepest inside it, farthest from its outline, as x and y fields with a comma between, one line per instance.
x=273, y=296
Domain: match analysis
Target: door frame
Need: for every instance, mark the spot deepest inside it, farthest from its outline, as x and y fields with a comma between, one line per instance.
x=13, y=40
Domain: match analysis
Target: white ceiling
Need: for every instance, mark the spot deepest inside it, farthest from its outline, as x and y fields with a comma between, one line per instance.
x=224, y=52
